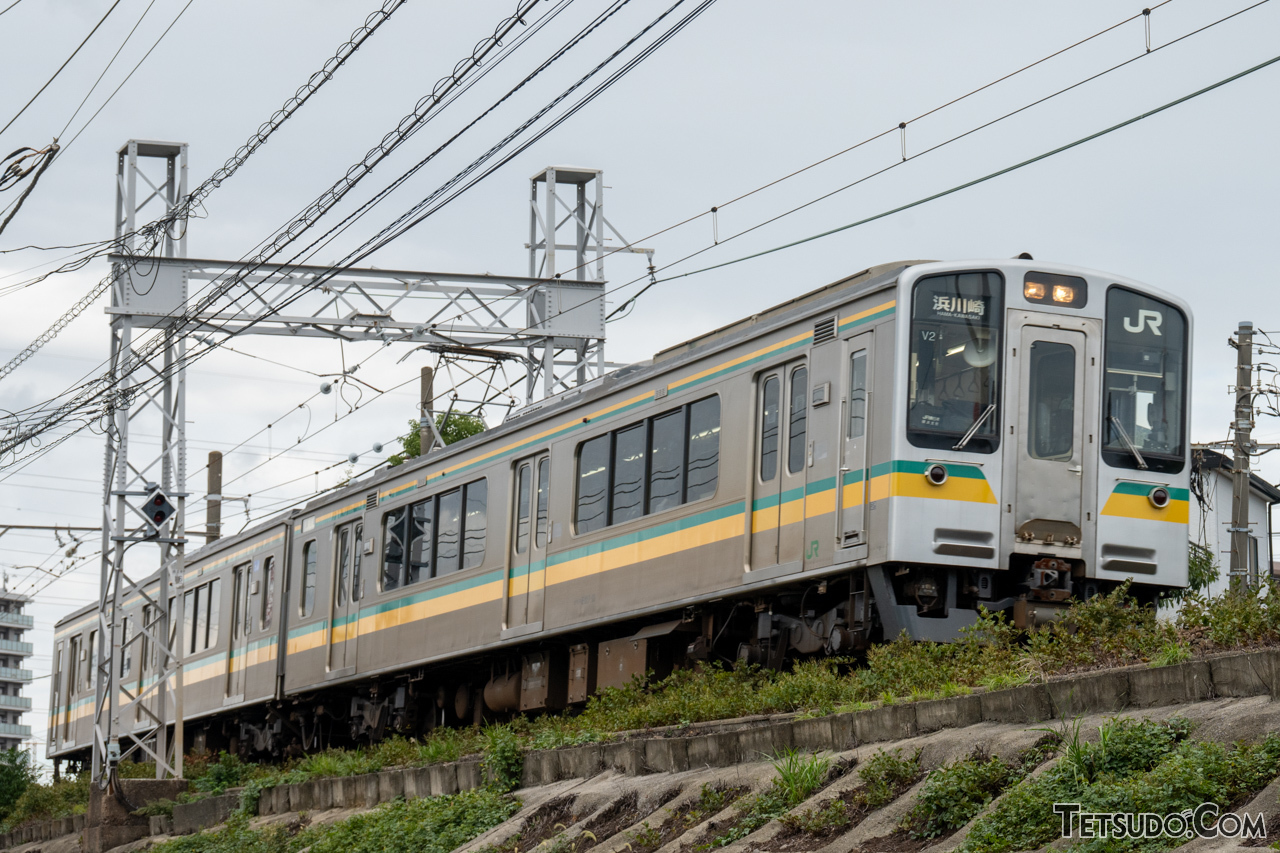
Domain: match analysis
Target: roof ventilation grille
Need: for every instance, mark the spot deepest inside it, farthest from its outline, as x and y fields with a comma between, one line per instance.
x=824, y=330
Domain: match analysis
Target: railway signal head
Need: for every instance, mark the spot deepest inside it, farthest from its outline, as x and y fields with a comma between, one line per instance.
x=158, y=509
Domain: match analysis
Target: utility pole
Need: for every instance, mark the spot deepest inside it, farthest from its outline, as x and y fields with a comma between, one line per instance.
x=1243, y=574
x=429, y=437
x=213, y=514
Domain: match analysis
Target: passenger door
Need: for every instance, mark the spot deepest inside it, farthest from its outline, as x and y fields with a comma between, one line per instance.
x=1053, y=383
x=345, y=622
x=532, y=535
x=854, y=474
x=241, y=621
x=781, y=464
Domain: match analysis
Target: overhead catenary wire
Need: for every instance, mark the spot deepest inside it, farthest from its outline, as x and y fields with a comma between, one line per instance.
x=107, y=67
x=150, y=234
x=215, y=290
x=49, y=82
x=288, y=234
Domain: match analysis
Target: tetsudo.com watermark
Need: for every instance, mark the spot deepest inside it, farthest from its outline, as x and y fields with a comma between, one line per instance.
x=1204, y=821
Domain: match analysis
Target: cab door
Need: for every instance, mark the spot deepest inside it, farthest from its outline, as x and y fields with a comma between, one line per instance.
x=781, y=468
x=1052, y=383
x=531, y=526
x=854, y=476
x=346, y=598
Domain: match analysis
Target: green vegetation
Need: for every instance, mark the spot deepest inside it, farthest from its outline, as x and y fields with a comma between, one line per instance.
x=1108, y=630
x=798, y=776
x=428, y=825
x=453, y=426
x=18, y=772
x=955, y=793
x=884, y=777
x=1133, y=767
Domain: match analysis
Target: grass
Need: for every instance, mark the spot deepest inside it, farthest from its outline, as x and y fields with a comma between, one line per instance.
x=1108, y=630
x=798, y=776
x=884, y=777
x=427, y=825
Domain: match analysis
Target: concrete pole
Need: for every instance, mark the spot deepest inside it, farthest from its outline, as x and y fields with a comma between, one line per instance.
x=1243, y=576
x=213, y=515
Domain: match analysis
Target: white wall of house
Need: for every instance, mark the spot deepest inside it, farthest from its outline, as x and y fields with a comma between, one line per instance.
x=1210, y=523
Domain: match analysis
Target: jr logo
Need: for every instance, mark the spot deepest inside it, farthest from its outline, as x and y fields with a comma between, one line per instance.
x=1145, y=318
x=812, y=552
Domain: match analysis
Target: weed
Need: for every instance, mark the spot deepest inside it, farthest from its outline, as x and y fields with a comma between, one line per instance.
x=799, y=775
x=1172, y=653
x=646, y=837
x=503, y=760
x=956, y=792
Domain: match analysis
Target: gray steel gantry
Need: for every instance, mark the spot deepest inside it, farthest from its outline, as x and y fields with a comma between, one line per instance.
x=552, y=322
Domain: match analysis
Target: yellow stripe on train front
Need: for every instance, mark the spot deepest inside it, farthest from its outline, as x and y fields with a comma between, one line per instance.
x=967, y=489
x=1138, y=506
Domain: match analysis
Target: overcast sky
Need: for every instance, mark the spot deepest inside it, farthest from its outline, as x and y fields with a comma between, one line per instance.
x=749, y=92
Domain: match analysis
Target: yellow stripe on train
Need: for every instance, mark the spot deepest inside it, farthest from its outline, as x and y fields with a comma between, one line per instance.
x=1138, y=506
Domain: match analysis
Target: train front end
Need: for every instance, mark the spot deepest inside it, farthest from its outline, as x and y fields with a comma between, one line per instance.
x=1041, y=451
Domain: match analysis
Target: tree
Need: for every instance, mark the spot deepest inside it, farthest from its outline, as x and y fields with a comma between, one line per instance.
x=18, y=772
x=457, y=427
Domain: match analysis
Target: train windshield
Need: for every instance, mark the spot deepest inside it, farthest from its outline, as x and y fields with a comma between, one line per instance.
x=955, y=361
x=1145, y=363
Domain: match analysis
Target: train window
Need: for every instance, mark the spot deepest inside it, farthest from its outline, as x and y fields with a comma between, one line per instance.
x=126, y=650
x=630, y=446
x=704, y=449
x=268, y=593
x=797, y=420
x=858, y=395
x=74, y=667
x=189, y=619
x=544, y=503
x=393, y=547
x=666, y=469
x=446, y=533
x=954, y=367
x=357, y=581
x=475, y=527
x=421, y=525
x=449, y=533
x=1051, y=400
x=92, y=660
x=213, y=608
x=523, y=508
x=1145, y=377
x=591, y=510
x=770, y=422
x=650, y=466
x=307, y=595
x=344, y=565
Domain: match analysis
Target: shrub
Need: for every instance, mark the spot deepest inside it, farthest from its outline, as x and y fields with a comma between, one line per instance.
x=18, y=772
x=956, y=792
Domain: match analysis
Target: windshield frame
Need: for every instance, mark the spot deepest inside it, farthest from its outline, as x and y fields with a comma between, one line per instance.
x=986, y=439
x=1115, y=451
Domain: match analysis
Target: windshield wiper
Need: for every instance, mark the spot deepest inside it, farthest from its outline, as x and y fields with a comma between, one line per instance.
x=976, y=424
x=1124, y=437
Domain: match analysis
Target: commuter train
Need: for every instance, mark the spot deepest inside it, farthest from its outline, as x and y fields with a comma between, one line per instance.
x=886, y=454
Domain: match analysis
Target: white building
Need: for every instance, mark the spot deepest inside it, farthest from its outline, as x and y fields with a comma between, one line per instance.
x=13, y=650
x=1211, y=514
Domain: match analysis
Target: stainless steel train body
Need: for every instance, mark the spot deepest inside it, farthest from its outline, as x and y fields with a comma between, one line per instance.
x=885, y=454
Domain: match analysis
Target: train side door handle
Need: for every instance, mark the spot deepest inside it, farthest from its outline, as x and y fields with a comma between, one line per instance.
x=1078, y=469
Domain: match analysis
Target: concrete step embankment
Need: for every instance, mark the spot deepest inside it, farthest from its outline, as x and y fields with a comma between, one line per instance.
x=745, y=741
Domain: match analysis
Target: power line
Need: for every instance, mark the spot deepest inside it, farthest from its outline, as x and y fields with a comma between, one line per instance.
x=60, y=67
x=93, y=391
x=107, y=68
x=150, y=234
x=975, y=182
x=128, y=76
x=10, y=6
